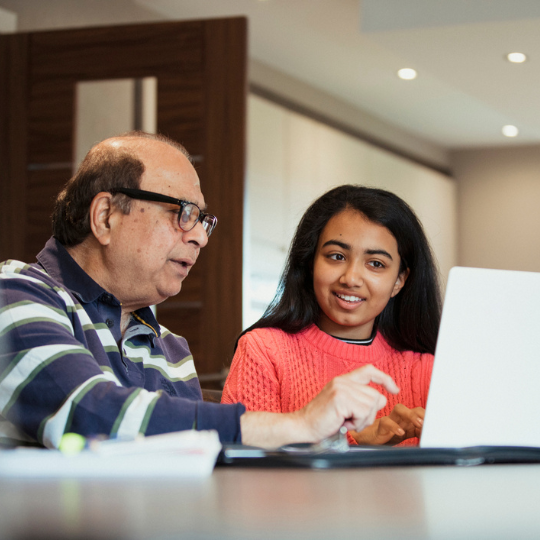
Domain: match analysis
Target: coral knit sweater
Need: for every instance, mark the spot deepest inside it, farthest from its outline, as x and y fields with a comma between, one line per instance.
x=279, y=372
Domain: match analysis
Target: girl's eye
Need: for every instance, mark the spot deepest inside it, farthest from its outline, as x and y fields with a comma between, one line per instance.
x=377, y=264
x=336, y=257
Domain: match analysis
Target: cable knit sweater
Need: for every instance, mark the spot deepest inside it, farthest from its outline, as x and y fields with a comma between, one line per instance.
x=279, y=372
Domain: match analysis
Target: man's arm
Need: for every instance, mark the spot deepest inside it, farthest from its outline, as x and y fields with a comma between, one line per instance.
x=55, y=376
x=346, y=400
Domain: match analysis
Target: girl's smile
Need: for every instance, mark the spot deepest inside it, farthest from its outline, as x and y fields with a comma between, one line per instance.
x=349, y=301
x=355, y=273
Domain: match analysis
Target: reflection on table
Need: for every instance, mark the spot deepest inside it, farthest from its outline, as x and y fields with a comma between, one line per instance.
x=417, y=502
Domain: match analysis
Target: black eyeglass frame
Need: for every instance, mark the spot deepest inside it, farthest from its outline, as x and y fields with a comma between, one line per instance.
x=208, y=221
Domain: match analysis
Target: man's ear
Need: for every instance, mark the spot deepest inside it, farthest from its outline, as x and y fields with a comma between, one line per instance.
x=101, y=209
x=400, y=282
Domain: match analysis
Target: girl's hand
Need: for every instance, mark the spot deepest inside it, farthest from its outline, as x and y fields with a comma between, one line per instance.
x=402, y=423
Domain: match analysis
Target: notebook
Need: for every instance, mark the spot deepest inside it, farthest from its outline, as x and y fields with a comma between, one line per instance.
x=485, y=388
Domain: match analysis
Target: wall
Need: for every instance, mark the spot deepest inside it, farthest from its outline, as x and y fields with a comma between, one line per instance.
x=292, y=160
x=8, y=21
x=499, y=200
x=320, y=102
x=55, y=14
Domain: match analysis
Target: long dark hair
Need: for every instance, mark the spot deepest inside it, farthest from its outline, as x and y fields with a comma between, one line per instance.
x=410, y=320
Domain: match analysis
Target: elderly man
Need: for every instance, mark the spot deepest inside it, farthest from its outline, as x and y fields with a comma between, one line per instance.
x=81, y=350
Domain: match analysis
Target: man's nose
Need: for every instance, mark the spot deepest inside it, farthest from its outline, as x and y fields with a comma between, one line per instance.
x=197, y=235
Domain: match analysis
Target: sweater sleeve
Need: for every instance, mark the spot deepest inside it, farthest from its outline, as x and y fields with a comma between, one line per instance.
x=253, y=379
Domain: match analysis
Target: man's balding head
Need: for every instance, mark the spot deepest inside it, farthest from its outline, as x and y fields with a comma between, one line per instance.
x=117, y=162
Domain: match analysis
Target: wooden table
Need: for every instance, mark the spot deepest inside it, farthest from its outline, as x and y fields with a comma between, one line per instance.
x=489, y=502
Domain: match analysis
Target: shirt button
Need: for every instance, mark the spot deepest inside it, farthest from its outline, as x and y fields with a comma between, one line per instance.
x=110, y=323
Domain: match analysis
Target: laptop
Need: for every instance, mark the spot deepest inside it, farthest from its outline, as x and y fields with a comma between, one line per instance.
x=484, y=396
x=485, y=387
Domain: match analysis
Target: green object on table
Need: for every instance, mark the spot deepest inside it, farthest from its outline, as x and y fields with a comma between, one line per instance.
x=71, y=444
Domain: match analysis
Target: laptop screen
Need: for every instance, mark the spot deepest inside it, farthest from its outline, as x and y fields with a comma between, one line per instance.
x=485, y=388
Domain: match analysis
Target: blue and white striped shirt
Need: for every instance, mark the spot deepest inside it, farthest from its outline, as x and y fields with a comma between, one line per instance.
x=65, y=366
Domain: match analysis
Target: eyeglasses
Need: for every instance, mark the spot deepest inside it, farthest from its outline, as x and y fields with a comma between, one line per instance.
x=188, y=216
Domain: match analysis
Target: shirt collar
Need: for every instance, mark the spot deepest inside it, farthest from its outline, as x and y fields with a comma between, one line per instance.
x=143, y=322
x=60, y=265
x=146, y=317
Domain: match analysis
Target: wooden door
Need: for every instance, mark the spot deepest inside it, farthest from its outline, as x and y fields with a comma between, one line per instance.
x=200, y=68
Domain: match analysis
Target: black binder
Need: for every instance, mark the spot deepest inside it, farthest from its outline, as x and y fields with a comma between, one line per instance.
x=302, y=456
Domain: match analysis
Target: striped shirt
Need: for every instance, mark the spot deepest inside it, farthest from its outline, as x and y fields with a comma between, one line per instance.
x=65, y=366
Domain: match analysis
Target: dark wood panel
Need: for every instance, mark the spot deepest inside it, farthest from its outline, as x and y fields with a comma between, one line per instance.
x=117, y=51
x=181, y=109
x=222, y=173
x=188, y=320
x=13, y=134
x=43, y=187
x=51, y=111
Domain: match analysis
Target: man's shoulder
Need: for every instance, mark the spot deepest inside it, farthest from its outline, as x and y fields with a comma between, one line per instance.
x=12, y=266
x=24, y=272
x=30, y=280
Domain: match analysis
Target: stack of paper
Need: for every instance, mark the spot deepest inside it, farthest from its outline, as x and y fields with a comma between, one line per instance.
x=184, y=453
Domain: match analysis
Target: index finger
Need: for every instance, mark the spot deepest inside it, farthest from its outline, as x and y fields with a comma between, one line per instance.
x=369, y=373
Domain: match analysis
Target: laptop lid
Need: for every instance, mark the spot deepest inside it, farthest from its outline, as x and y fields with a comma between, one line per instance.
x=485, y=387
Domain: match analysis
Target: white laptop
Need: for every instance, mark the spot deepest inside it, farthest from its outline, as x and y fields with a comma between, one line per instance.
x=485, y=388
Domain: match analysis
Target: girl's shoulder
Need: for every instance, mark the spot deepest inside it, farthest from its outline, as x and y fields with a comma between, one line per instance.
x=408, y=356
x=270, y=345
x=269, y=337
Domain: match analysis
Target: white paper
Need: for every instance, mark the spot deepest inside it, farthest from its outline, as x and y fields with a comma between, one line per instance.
x=182, y=454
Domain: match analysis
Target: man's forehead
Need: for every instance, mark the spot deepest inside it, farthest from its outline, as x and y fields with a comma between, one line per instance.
x=167, y=170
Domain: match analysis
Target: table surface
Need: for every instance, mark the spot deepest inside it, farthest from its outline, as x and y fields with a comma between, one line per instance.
x=493, y=501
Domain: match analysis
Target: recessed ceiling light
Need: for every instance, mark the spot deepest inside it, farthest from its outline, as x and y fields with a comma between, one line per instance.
x=510, y=131
x=516, y=57
x=407, y=74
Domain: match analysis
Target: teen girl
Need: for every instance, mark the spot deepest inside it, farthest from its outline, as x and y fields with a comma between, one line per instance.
x=359, y=287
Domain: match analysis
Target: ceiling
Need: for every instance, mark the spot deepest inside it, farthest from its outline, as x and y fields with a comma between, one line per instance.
x=465, y=90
